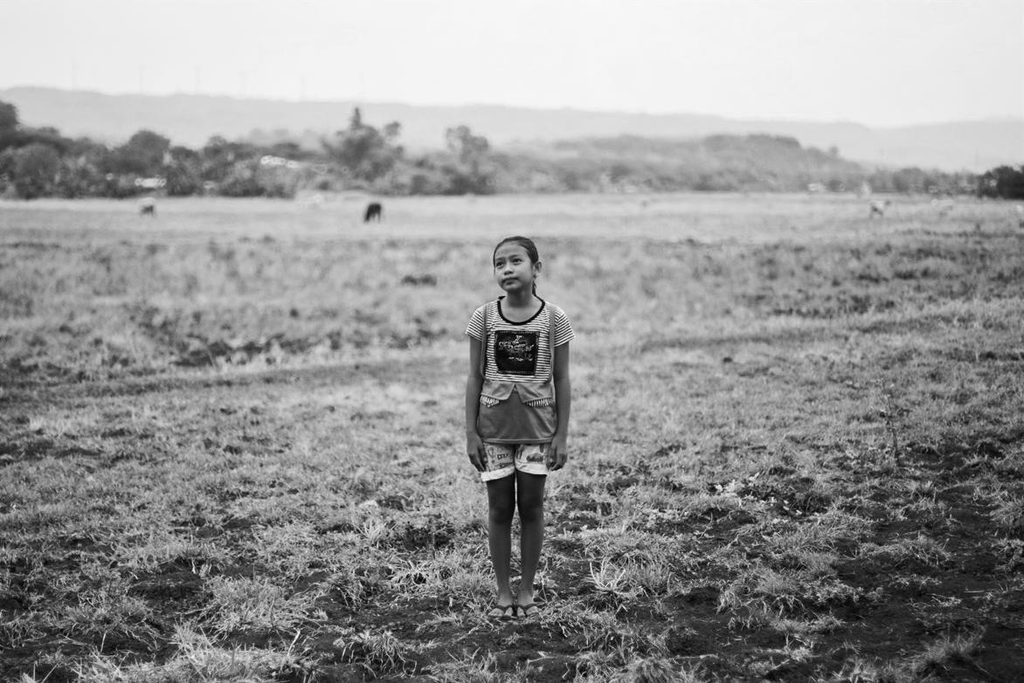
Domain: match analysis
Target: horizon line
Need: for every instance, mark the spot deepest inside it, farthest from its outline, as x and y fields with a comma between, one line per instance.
x=993, y=118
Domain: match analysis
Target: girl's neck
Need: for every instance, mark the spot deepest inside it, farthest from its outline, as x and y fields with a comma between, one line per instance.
x=522, y=300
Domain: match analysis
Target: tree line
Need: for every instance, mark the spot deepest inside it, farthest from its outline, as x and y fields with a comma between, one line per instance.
x=41, y=162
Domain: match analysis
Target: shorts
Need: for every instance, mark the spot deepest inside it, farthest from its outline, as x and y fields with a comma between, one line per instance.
x=503, y=459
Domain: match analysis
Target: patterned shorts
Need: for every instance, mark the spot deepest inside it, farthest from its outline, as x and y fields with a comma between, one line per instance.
x=502, y=459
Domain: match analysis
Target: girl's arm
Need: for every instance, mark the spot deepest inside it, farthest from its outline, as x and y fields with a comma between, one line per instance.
x=563, y=403
x=474, y=382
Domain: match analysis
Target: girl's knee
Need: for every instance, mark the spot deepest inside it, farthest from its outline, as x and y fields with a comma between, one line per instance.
x=530, y=497
x=501, y=512
x=501, y=500
x=531, y=509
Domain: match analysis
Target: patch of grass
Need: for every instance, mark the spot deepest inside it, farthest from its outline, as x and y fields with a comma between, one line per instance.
x=238, y=604
x=946, y=651
x=380, y=653
x=919, y=550
x=232, y=448
x=1008, y=511
x=196, y=658
x=483, y=669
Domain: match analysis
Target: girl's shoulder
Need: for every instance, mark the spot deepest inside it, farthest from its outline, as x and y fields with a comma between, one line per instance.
x=487, y=306
x=490, y=302
x=485, y=311
x=561, y=326
x=556, y=311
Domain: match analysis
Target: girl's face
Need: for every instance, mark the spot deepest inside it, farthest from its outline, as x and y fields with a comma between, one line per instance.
x=513, y=270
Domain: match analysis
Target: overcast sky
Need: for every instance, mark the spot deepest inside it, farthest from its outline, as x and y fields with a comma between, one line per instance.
x=877, y=62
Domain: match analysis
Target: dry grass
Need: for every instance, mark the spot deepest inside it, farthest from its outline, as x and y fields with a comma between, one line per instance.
x=231, y=443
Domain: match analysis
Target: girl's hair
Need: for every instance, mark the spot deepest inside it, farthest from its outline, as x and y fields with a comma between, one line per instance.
x=527, y=244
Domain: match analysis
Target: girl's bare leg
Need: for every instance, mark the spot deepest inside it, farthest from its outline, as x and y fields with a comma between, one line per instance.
x=501, y=507
x=531, y=516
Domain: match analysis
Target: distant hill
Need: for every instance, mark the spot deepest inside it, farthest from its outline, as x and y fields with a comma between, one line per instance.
x=192, y=119
x=754, y=162
x=765, y=154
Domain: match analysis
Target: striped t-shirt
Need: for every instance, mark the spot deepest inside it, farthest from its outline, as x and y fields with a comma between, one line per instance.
x=518, y=351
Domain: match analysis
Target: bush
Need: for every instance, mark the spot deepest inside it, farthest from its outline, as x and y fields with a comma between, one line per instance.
x=1004, y=182
x=35, y=170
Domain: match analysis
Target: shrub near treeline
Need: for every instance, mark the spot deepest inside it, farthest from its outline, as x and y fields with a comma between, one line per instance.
x=40, y=162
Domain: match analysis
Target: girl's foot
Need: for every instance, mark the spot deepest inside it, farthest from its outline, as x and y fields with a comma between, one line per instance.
x=529, y=609
x=502, y=612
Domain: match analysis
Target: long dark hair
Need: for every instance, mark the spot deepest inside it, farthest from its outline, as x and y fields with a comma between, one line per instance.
x=527, y=244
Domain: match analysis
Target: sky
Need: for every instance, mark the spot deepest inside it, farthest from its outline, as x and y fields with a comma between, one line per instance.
x=875, y=62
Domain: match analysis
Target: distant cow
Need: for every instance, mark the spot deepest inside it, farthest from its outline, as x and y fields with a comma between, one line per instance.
x=147, y=207
x=878, y=208
x=374, y=212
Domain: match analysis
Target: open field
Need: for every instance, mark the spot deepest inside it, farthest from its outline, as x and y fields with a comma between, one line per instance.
x=231, y=442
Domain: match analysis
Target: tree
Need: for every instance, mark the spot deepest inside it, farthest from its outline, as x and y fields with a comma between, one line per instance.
x=184, y=172
x=468, y=149
x=910, y=180
x=35, y=170
x=472, y=171
x=1003, y=181
x=364, y=152
x=8, y=125
x=6, y=169
x=143, y=154
x=8, y=116
x=46, y=135
x=220, y=158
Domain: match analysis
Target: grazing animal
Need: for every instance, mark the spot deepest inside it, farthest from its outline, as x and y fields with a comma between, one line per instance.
x=878, y=208
x=147, y=207
x=374, y=212
x=417, y=280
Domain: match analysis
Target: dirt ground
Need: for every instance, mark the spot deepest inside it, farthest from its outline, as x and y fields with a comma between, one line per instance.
x=791, y=459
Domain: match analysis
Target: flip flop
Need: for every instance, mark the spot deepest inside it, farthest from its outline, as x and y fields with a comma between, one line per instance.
x=530, y=609
x=502, y=612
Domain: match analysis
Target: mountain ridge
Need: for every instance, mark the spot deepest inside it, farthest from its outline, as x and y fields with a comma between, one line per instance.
x=191, y=119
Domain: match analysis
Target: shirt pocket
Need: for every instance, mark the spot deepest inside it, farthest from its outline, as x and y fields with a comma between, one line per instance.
x=536, y=394
x=494, y=392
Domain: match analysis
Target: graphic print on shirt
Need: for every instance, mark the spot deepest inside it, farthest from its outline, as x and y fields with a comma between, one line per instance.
x=515, y=353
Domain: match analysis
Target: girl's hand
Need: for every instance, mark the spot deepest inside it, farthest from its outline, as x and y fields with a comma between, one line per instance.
x=475, y=450
x=558, y=453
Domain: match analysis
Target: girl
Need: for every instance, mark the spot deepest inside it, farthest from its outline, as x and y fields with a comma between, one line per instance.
x=517, y=412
